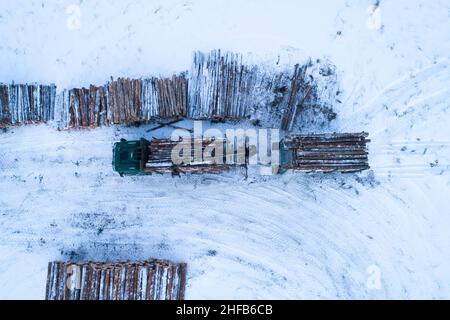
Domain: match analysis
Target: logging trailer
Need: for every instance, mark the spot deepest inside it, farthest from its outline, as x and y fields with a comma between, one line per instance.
x=326, y=153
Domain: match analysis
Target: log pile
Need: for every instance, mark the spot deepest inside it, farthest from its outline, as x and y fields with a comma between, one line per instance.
x=144, y=280
x=220, y=86
x=124, y=101
x=343, y=153
x=118, y=102
x=164, y=98
x=160, y=157
x=26, y=103
x=84, y=107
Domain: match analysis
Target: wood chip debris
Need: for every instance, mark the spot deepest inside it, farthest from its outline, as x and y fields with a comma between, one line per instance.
x=337, y=152
x=143, y=280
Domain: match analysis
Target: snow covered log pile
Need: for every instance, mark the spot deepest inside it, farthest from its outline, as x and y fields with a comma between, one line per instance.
x=220, y=86
x=26, y=103
x=165, y=97
x=83, y=107
x=124, y=101
x=144, y=280
x=223, y=87
x=338, y=152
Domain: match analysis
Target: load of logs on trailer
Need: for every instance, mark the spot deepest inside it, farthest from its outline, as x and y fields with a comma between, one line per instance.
x=26, y=103
x=219, y=87
x=159, y=157
x=338, y=152
x=143, y=280
x=341, y=153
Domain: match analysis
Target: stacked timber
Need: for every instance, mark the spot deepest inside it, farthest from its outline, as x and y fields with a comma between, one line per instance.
x=84, y=107
x=118, y=102
x=26, y=103
x=220, y=86
x=161, y=156
x=343, y=152
x=164, y=98
x=144, y=280
x=124, y=101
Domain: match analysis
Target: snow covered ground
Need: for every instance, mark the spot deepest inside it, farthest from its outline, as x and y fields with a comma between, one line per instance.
x=380, y=234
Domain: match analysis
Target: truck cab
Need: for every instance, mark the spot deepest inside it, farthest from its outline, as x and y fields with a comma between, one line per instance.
x=129, y=157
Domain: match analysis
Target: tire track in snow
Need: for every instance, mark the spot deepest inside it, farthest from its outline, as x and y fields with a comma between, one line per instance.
x=412, y=103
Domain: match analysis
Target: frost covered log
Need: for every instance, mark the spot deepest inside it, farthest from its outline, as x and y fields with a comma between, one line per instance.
x=337, y=152
x=298, y=92
x=26, y=103
x=143, y=280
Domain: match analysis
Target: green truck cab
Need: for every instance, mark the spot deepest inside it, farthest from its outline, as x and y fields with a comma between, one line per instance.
x=129, y=157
